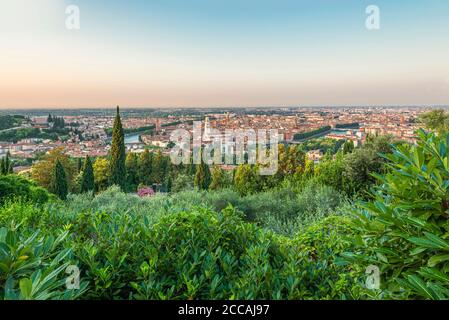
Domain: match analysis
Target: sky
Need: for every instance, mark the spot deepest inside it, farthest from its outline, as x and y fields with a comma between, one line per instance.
x=223, y=53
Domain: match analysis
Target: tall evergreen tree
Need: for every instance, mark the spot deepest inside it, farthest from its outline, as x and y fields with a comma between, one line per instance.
x=59, y=181
x=169, y=183
x=87, y=181
x=145, y=168
x=158, y=168
x=202, y=177
x=217, y=178
x=348, y=147
x=132, y=169
x=6, y=166
x=117, y=163
x=2, y=166
x=79, y=165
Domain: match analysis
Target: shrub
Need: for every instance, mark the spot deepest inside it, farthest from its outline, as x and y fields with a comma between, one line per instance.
x=145, y=192
x=13, y=186
x=404, y=231
x=32, y=268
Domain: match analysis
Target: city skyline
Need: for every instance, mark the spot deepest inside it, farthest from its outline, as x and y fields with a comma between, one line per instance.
x=163, y=54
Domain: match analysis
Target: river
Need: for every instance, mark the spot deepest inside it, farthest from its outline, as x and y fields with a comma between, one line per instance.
x=132, y=138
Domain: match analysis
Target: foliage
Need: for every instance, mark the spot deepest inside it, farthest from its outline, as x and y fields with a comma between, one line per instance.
x=42, y=170
x=323, y=144
x=32, y=268
x=246, y=180
x=87, y=181
x=404, y=230
x=132, y=167
x=58, y=185
x=219, y=178
x=145, y=167
x=101, y=174
x=117, y=167
x=6, y=165
x=10, y=121
x=182, y=182
x=202, y=176
x=305, y=135
x=436, y=120
x=16, y=187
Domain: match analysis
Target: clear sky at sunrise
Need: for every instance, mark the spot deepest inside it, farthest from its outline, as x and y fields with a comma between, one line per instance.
x=174, y=53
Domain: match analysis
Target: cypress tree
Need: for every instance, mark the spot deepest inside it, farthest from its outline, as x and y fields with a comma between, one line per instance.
x=145, y=168
x=202, y=177
x=118, y=157
x=169, y=184
x=157, y=175
x=87, y=180
x=59, y=181
x=79, y=165
x=6, y=166
x=132, y=168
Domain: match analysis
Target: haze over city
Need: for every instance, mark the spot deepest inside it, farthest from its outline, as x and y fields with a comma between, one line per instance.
x=222, y=53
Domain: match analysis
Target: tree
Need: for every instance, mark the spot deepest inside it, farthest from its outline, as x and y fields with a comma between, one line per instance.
x=101, y=174
x=330, y=171
x=117, y=162
x=348, y=147
x=40, y=170
x=59, y=185
x=158, y=168
x=246, y=179
x=87, y=181
x=6, y=165
x=79, y=165
x=132, y=169
x=436, y=120
x=403, y=231
x=145, y=170
x=15, y=186
x=218, y=178
x=182, y=182
x=202, y=176
x=169, y=183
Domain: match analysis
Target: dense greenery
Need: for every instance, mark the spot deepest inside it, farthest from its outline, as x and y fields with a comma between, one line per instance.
x=305, y=135
x=58, y=184
x=169, y=248
x=10, y=121
x=6, y=165
x=14, y=187
x=325, y=145
x=15, y=135
x=308, y=232
x=405, y=229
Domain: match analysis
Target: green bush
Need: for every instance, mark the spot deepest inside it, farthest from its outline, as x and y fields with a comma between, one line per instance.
x=13, y=186
x=176, y=248
x=32, y=268
x=405, y=230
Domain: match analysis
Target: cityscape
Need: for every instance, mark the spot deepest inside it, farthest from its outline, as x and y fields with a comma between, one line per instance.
x=86, y=131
